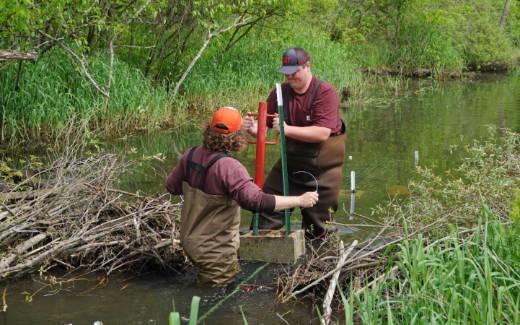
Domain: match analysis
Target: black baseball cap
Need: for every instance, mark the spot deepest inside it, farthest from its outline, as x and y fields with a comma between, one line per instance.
x=292, y=59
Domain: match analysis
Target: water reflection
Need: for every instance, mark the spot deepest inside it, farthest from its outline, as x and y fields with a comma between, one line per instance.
x=352, y=206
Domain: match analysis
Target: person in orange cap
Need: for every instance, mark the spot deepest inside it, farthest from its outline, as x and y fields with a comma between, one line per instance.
x=215, y=186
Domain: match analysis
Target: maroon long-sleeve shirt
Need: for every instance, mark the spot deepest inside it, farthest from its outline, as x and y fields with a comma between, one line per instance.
x=226, y=177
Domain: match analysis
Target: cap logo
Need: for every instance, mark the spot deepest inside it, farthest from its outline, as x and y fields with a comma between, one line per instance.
x=286, y=60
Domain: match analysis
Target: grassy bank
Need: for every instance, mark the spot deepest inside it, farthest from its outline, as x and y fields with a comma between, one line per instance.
x=244, y=75
x=469, y=277
x=463, y=266
x=416, y=38
x=52, y=91
x=449, y=253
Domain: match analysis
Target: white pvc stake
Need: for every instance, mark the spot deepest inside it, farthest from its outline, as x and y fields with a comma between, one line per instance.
x=416, y=157
x=279, y=97
x=353, y=181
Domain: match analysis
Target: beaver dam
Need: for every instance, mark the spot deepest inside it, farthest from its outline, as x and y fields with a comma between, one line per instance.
x=70, y=215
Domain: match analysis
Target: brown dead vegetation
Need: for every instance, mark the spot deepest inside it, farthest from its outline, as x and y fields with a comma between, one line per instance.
x=73, y=217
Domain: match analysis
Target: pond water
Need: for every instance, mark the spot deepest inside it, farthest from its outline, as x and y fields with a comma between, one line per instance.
x=386, y=140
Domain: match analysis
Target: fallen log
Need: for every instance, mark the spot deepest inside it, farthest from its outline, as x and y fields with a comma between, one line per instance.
x=18, y=55
x=21, y=248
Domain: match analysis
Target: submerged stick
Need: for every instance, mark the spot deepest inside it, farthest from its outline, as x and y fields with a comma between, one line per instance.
x=359, y=225
x=4, y=300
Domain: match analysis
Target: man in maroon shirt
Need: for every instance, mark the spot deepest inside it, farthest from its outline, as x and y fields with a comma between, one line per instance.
x=315, y=138
x=214, y=185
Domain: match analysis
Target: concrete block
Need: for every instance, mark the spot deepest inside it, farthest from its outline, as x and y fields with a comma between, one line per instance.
x=272, y=246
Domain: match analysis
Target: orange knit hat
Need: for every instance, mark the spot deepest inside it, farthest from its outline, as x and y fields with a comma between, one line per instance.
x=226, y=120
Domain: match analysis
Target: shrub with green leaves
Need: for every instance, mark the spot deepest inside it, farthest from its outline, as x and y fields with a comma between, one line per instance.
x=490, y=172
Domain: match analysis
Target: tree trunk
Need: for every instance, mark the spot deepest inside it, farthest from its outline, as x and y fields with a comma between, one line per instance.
x=505, y=13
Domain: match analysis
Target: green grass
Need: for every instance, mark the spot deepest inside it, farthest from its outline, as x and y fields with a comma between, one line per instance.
x=174, y=317
x=458, y=280
x=244, y=76
x=53, y=91
x=423, y=45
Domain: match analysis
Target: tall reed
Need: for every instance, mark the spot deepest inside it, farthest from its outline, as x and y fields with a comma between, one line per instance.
x=465, y=269
x=52, y=91
x=462, y=280
x=244, y=75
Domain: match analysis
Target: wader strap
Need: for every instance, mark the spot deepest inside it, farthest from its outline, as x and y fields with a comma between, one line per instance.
x=287, y=94
x=313, y=95
x=187, y=173
x=199, y=167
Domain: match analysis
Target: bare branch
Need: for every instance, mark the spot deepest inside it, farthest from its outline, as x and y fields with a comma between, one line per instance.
x=80, y=221
x=82, y=61
x=505, y=13
x=338, y=267
x=240, y=21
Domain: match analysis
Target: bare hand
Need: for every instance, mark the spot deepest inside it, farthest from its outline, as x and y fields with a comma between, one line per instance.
x=308, y=199
x=250, y=125
x=276, y=124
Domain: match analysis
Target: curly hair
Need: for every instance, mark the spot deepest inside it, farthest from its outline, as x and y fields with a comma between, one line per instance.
x=232, y=142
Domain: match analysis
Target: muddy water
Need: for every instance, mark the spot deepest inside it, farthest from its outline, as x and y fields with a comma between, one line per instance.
x=386, y=140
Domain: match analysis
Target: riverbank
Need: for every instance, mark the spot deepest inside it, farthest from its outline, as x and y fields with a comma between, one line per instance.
x=448, y=253
x=37, y=99
x=52, y=96
x=140, y=68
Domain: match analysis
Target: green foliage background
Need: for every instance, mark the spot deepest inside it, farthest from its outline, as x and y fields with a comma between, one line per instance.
x=154, y=43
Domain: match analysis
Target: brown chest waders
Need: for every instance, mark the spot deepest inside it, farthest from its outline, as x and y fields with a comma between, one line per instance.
x=325, y=161
x=209, y=229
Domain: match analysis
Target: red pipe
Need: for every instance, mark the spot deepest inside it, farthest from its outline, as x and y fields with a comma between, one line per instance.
x=260, y=144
